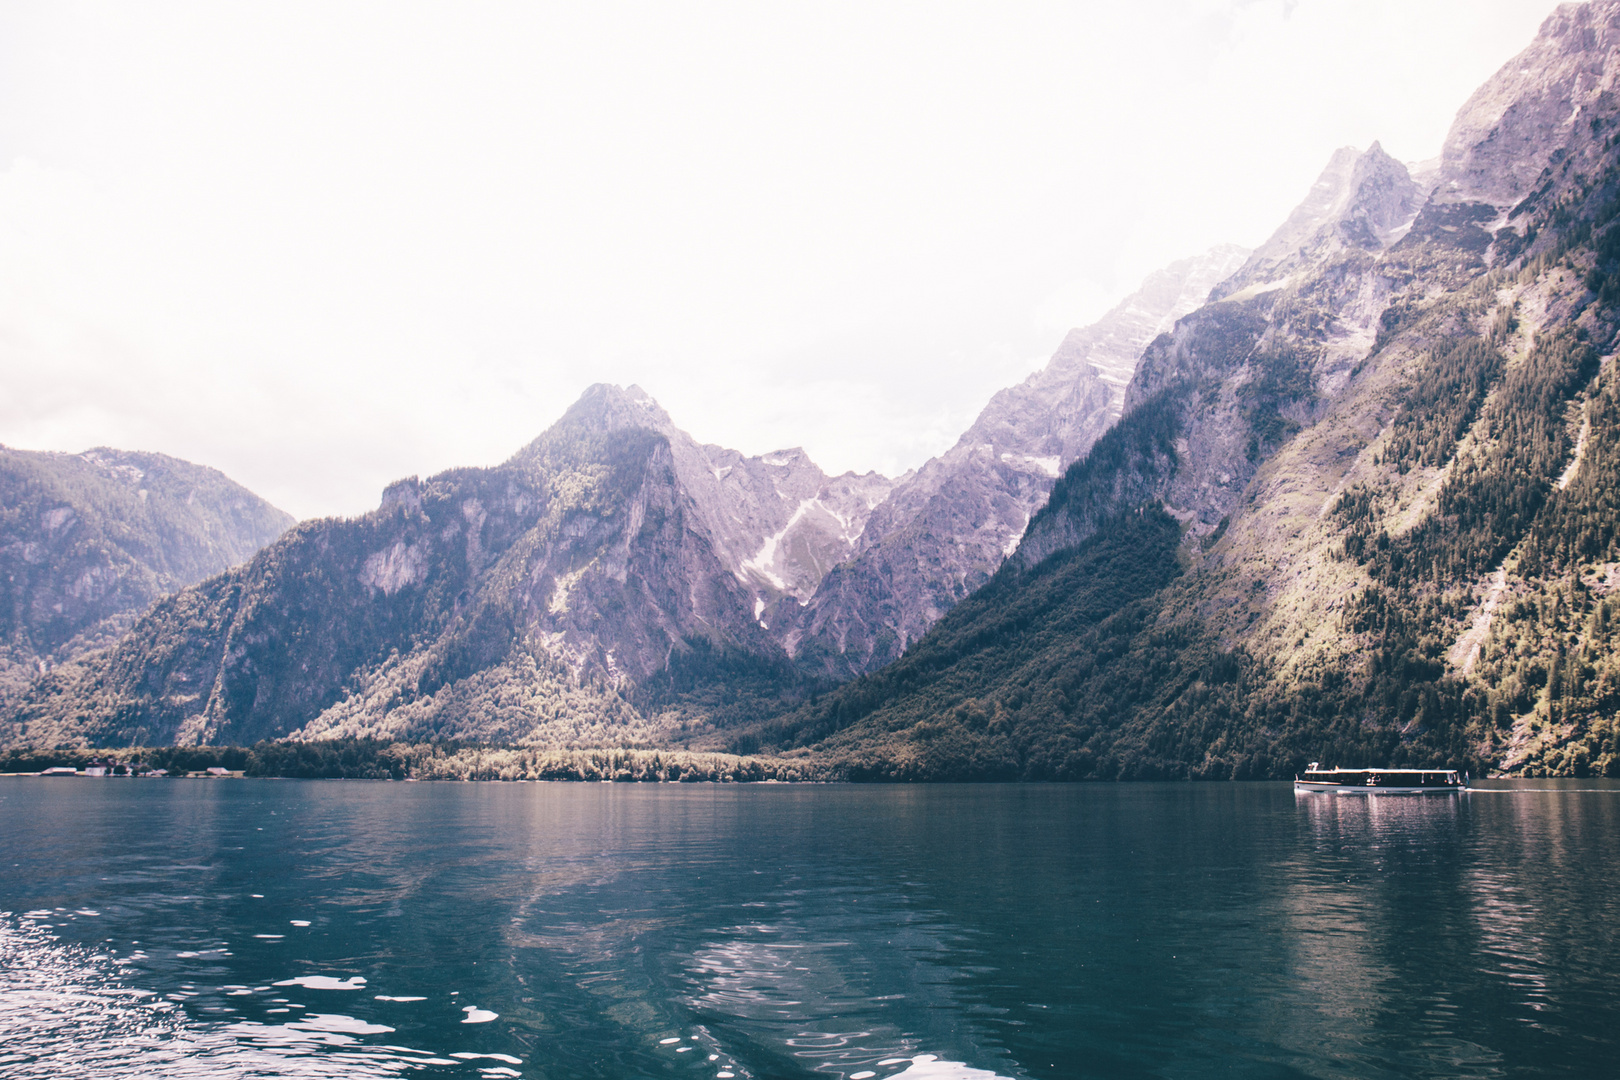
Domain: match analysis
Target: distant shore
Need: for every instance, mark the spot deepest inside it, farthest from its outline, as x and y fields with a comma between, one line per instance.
x=362, y=759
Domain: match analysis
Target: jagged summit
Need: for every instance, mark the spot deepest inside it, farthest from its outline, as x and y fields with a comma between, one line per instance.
x=605, y=407
x=1380, y=201
x=1364, y=200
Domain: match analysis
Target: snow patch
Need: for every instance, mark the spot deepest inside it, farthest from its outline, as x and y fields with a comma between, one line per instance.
x=1048, y=466
x=765, y=559
x=1014, y=540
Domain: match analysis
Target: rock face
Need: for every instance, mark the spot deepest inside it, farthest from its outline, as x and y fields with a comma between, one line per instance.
x=1280, y=337
x=944, y=530
x=1364, y=201
x=88, y=541
x=1529, y=114
x=777, y=522
x=1361, y=507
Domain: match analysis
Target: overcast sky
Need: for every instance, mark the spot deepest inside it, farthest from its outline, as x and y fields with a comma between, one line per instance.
x=321, y=246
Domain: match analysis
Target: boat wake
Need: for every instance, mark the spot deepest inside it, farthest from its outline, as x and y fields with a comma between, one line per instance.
x=66, y=1011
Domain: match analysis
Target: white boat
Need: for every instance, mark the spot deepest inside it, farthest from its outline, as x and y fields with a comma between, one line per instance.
x=1380, y=781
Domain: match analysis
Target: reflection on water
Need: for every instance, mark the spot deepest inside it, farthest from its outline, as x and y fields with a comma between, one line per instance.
x=352, y=929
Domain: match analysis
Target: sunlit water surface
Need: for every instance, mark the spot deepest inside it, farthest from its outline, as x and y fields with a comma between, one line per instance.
x=314, y=929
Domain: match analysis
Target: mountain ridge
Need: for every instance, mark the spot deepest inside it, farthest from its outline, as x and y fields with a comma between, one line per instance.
x=1358, y=503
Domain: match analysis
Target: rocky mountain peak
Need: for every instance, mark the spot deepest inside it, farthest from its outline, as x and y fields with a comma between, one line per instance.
x=1380, y=200
x=1362, y=199
x=776, y=521
x=1509, y=131
x=605, y=407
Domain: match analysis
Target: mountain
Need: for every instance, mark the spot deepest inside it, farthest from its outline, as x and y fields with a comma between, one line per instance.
x=946, y=528
x=560, y=598
x=1361, y=507
x=88, y=541
x=615, y=582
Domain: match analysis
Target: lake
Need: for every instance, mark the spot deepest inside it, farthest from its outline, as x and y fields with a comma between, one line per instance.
x=184, y=928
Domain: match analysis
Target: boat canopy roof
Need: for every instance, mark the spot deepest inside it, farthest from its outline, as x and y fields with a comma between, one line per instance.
x=1382, y=772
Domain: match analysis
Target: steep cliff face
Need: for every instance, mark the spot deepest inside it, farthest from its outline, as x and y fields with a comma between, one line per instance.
x=943, y=531
x=777, y=522
x=88, y=541
x=1359, y=507
x=1529, y=116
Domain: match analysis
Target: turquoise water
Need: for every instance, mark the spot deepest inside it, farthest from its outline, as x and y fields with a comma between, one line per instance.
x=339, y=928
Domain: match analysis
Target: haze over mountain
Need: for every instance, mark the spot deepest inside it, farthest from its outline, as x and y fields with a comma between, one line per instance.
x=944, y=530
x=321, y=261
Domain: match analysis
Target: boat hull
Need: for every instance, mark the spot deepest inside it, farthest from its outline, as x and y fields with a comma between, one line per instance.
x=1364, y=789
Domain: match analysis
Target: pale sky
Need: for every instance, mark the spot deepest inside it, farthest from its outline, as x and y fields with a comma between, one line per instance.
x=322, y=246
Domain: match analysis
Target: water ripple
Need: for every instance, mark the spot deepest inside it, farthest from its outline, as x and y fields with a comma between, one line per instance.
x=68, y=1012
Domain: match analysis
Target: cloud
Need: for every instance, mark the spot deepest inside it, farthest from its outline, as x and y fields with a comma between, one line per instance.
x=322, y=246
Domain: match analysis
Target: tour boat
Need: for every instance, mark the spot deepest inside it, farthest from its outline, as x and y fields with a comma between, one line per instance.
x=1380, y=781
